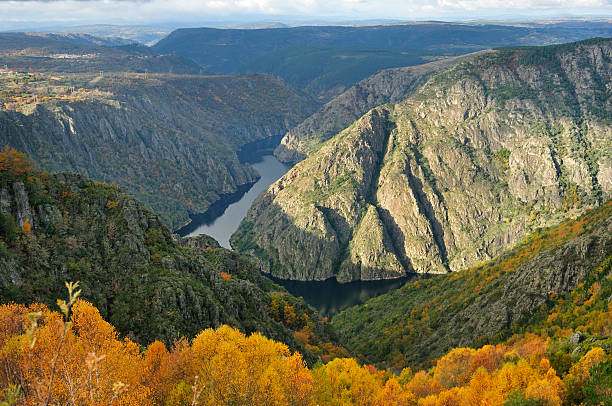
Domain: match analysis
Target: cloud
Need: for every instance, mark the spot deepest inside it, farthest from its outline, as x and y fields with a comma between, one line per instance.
x=198, y=11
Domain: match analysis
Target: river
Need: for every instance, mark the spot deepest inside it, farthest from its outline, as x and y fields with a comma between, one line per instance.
x=223, y=218
x=222, y=226
x=330, y=297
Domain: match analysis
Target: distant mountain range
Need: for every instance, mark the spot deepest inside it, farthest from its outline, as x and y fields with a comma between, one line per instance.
x=326, y=60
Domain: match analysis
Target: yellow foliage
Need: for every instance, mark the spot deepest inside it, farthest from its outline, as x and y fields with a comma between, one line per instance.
x=392, y=394
x=344, y=381
x=580, y=370
x=27, y=227
x=226, y=367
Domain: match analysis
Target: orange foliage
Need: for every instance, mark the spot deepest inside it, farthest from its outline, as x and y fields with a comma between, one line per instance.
x=224, y=366
x=92, y=359
x=96, y=367
x=226, y=276
x=15, y=163
x=27, y=227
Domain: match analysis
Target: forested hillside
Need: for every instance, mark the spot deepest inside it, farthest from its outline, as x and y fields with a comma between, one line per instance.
x=463, y=169
x=150, y=284
x=556, y=366
x=326, y=60
x=555, y=282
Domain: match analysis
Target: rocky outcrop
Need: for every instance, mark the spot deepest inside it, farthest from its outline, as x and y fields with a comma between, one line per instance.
x=554, y=273
x=387, y=86
x=149, y=283
x=170, y=140
x=463, y=169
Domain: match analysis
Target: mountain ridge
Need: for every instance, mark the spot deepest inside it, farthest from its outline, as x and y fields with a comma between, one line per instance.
x=499, y=144
x=174, y=134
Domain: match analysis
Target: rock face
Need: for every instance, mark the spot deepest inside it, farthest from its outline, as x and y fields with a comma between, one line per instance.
x=388, y=86
x=500, y=144
x=523, y=290
x=147, y=282
x=170, y=140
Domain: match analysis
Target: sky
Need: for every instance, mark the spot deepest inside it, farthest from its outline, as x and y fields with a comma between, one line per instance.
x=18, y=13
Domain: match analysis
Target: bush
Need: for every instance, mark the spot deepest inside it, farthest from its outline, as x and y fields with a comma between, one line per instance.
x=598, y=389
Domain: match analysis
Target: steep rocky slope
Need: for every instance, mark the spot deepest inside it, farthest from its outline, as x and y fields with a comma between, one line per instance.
x=170, y=139
x=455, y=174
x=150, y=284
x=556, y=281
x=387, y=86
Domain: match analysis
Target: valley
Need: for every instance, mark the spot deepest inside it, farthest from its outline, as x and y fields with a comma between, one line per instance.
x=221, y=223
x=177, y=157
x=413, y=213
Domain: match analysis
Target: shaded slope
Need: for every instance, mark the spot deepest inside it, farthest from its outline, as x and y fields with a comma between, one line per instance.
x=515, y=293
x=170, y=139
x=149, y=283
x=460, y=171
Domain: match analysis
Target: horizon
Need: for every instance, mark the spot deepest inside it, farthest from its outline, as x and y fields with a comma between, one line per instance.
x=47, y=15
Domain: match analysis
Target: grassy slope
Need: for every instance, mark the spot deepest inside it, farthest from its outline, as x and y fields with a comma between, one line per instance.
x=395, y=328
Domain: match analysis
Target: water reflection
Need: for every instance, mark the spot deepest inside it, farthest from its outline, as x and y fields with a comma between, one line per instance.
x=330, y=297
x=222, y=227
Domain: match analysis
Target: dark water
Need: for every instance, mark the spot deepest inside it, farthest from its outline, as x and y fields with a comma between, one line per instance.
x=330, y=297
x=224, y=216
x=220, y=222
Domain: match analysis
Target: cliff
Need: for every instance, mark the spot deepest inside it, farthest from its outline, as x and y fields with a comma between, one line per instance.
x=461, y=170
x=169, y=139
x=552, y=283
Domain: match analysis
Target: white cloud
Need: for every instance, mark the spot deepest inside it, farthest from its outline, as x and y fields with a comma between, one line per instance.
x=145, y=11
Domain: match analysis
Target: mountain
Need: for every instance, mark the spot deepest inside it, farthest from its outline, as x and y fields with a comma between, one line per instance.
x=387, y=86
x=326, y=60
x=554, y=282
x=171, y=140
x=144, y=34
x=461, y=170
x=72, y=53
x=57, y=41
x=149, y=283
